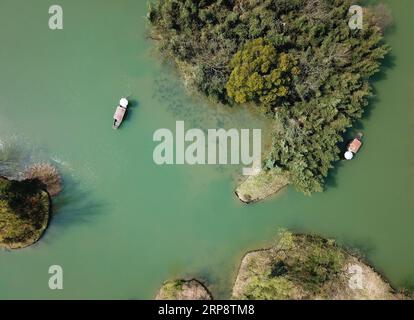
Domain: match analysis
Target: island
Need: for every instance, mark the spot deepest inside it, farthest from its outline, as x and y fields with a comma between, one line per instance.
x=183, y=290
x=26, y=205
x=24, y=212
x=310, y=267
x=299, y=62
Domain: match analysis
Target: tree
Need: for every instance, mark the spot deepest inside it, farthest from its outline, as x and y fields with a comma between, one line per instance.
x=260, y=74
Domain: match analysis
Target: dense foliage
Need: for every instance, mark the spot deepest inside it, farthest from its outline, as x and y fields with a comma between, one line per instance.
x=259, y=74
x=298, y=59
x=24, y=212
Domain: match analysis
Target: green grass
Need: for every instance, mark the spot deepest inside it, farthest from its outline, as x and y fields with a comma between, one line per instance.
x=262, y=185
x=171, y=289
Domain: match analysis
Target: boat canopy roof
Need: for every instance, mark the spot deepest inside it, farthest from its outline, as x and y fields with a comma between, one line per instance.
x=119, y=113
x=123, y=102
x=355, y=145
x=349, y=155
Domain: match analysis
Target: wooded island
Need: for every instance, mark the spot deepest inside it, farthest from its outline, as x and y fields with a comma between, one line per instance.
x=298, y=61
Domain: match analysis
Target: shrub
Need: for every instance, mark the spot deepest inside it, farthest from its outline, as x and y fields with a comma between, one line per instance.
x=48, y=175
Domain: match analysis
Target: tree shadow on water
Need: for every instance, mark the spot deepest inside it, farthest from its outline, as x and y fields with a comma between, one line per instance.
x=330, y=180
x=407, y=284
x=360, y=247
x=358, y=126
x=74, y=206
x=387, y=64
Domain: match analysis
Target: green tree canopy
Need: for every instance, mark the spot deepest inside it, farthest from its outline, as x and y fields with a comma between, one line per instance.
x=260, y=74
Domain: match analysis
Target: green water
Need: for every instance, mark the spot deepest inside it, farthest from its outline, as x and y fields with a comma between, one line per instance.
x=123, y=225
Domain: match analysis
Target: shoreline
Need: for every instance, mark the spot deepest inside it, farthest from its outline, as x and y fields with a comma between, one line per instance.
x=261, y=186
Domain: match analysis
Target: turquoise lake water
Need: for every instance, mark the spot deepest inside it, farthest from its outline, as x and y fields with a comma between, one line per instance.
x=123, y=225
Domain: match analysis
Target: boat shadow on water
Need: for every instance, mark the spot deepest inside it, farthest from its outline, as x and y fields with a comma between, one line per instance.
x=132, y=106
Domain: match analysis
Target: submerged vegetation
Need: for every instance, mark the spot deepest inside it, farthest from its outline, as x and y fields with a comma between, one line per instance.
x=24, y=212
x=296, y=60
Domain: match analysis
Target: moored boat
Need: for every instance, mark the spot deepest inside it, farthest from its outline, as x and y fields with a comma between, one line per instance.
x=120, y=113
x=353, y=148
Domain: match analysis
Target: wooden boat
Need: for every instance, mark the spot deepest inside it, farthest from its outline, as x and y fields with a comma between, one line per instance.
x=120, y=113
x=353, y=148
x=354, y=145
